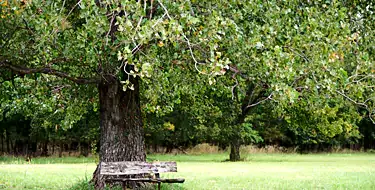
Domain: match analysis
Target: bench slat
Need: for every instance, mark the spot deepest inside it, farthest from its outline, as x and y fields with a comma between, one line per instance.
x=131, y=168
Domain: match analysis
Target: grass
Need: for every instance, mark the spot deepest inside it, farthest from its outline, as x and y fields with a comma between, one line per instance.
x=48, y=160
x=208, y=171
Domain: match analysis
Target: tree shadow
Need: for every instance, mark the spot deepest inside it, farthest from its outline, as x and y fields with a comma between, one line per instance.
x=165, y=186
x=241, y=160
x=86, y=184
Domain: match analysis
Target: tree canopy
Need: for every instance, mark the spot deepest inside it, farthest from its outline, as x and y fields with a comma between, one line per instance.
x=220, y=63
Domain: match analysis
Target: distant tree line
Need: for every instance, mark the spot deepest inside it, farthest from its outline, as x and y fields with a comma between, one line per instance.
x=20, y=138
x=177, y=130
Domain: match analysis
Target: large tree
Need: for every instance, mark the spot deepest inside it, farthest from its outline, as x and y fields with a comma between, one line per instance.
x=274, y=50
x=109, y=45
x=285, y=51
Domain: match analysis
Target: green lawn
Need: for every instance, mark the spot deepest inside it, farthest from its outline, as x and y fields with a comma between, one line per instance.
x=259, y=171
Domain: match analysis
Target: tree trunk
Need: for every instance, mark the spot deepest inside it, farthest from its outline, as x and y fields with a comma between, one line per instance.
x=236, y=139
x=18, y=147
x=12, y=147
x=235, y=150
x=53, y=148
x=155, y=147
x=121, y=127
x=88, y=149
x=8, y=141
x=34, y=148
x=85, y=149
x=2, y=142
x=61, y=149
x=79, y=149
x=45, y=148
x=69, y=148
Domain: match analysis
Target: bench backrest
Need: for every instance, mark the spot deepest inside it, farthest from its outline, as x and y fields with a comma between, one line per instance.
x=131, y=168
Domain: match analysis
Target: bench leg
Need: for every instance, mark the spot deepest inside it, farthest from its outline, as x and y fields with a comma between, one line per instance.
x=159, y=186
x=124, y=185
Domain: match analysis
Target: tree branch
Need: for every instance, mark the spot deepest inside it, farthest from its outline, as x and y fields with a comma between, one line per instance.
x=364, y=105
x=49, y=71
x=186, y=39
x=260, y=101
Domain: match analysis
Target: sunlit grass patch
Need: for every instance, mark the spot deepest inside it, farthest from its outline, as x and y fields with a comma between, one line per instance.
x=259, y=171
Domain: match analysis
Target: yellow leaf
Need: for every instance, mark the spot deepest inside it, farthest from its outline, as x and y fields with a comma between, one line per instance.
x=169, y=126
x=3, y=3
x=160, y=44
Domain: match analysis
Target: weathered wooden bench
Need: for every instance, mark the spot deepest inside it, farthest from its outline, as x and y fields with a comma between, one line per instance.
x=120, y=171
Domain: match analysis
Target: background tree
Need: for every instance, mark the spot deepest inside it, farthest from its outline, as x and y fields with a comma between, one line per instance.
x=283, y=49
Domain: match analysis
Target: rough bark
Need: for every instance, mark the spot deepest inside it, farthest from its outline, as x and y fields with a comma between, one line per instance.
x=235, y=150
x=121, y=126
x=236, y=139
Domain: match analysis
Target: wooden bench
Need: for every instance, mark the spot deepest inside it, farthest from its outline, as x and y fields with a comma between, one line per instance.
x=120, y=171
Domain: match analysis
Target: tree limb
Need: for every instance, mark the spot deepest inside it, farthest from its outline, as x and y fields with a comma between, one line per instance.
x=49, y=71
x=260, y=101
x=364, y=105
x=186, y=39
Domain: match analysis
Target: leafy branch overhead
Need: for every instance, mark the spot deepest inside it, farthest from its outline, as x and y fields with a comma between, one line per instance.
x=284, y=49
x=104, y=40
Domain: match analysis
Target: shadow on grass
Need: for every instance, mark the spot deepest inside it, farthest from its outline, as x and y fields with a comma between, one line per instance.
x=85, y=184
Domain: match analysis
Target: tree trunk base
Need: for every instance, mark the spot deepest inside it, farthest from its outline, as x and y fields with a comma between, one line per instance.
x=121, y=129
x=235, y=151
x=98, y=180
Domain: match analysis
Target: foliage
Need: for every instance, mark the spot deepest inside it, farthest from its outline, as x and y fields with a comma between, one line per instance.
x=210, y=70
x=319, y=121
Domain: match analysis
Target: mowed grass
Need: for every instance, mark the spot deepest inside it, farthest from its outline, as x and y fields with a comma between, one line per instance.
x=258, y=171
